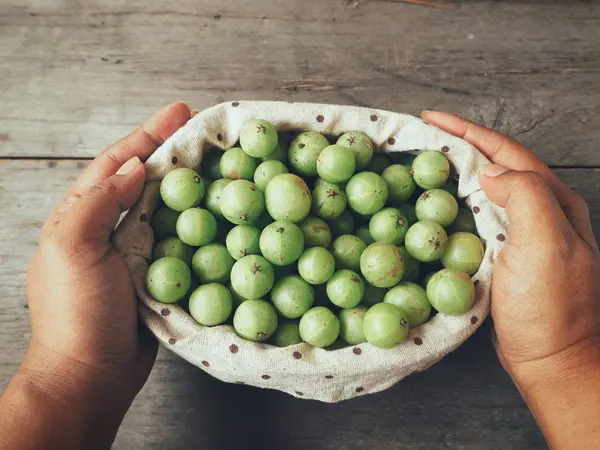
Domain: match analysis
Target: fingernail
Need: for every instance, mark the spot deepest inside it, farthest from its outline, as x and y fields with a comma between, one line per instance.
x=493, y=170
x=129, y=166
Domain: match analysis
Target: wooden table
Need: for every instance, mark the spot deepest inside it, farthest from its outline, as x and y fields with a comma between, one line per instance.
x=77, y=75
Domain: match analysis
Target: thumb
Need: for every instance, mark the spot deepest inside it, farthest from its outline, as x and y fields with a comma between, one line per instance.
x=533, y=211
x=93, y=217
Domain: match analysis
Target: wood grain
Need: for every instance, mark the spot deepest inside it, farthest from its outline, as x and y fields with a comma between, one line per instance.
x=465, y=402
x=76, y=76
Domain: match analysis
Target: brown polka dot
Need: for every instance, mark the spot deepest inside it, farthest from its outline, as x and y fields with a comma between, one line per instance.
x=329, y=377
x=143, y=217
x=356, y=351
x=374, y=118
x=359, y=389
x=266, y=377
x=501, y=237
x=219, y=137
x=297, y=355
x=174, y=160
x=476, y=283
x=418, y=341
x=320, y=118
x=165, y=312
x=205, y=363
x=391, y=141
x=172, y=341
x=299, y=393
x=445, y=149
x=474, y=320
x=476, y=209
x=233, y=348
x=235, y=104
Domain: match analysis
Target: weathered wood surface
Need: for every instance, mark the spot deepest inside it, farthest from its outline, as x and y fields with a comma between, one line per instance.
x=465, y=402
x=77, y=75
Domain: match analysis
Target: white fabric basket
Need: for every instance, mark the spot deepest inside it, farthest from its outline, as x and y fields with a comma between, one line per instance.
x=300, y=370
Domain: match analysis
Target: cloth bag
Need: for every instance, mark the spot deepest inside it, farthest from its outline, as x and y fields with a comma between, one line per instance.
x=300, y=370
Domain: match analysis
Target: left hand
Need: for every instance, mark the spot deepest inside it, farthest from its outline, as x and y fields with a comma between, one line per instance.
x=85, y=325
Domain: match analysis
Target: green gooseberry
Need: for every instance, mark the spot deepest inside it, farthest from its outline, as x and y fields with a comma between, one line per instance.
x=409, y=212
x=304, y=152
x=279, y=154
x=196, y=227
x=213, y=196
x=255, y=320
x=345, y=288
x=243, y=240
x=438, y=206
x=164, y=223
x=211, y=304
x=451, y=292
x=347, y=250
x=266, y=171
x=210, y=164
x=212, y=264
x=292, y=296
x=168, y=280
x=344, y=224
x=464, y=253
x=361, y=146
x=388, y=225
x=367, y=193
x=316, y=232
x=288, y=198
x=373, y=295
x=287, y=333
x=236, y=164
x=430, y=169
x=316, y=265
x=385, y=326
x=382, y=265
x=182, y=189
x=351, y=325
x=465, y=221
x=426, y=241
x=281, y=242
x=363, y=233
x=329, y=201
x=174, y=248
x=242, y=202
x=400, y=183
x=378, y=163
x=258, y=138
x=252, y=276
x=412, y=301
x=412, y=267
x=336, y=164
x=319, y=327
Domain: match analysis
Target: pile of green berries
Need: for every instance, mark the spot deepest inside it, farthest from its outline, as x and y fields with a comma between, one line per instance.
x=312, y=242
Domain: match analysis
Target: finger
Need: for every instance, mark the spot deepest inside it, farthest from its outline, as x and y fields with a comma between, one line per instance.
x=503, y=150
x=141, y=143
x=91, y=219
x=534, y=214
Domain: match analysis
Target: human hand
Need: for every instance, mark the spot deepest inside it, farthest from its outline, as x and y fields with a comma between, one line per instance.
x=546, y=284
x=85, y=327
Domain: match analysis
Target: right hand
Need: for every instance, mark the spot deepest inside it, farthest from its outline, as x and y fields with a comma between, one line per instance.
x=546, y=284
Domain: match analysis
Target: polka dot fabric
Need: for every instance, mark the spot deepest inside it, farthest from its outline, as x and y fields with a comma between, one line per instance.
x=300, y=370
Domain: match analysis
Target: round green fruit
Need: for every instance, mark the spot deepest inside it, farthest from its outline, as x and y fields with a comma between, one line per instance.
x=212, y=264
x=292, y=296
x=281, y=242
x=336, y=164
x=287, y=333
x=319, y=327
x=400, y=183
x=316, y=232
x=266, y=171
x=464, y=253
x=388, y=225
x=347, y=250
x=196, y=227
x=426, y=241
x=255, y=320
x=174, y=248
x=316, y=265
x=382, y=264
x=351, y=325
x=252, y=276
x=385, y=326
x=279, y=154
x=258, y=138
x=304, y=152
x=451, y=292
x=211, y=304
x=438, y=206
x=182, y=189
x=243, y=240
x=430, y=169
x=329, y=201
x=361, y=146
x=288, y=198
x=168, y=280
x=242, y=202
x=412, y=301
x=213, y=196
x=345, y=288
x=367, y=193
x=344, y=224
x=236, y=164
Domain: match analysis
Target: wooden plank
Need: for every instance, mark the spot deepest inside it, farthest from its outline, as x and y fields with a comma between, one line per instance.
x=465, y=402
x=75, y=79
